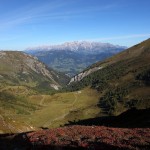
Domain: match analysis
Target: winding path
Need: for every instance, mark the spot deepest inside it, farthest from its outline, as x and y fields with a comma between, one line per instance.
x=42, y=100
x=49, y=122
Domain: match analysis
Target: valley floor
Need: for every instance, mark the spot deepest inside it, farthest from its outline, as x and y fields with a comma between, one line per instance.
x=36, y=110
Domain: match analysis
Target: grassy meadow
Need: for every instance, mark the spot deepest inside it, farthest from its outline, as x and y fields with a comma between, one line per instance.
x=23, y=109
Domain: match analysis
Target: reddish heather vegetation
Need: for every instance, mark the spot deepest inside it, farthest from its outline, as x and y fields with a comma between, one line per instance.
x=86, y=137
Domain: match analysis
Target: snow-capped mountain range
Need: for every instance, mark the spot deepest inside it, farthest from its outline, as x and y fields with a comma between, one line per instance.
x=84, y=46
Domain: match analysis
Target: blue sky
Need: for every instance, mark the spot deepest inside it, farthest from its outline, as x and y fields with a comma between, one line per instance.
x=28, y=23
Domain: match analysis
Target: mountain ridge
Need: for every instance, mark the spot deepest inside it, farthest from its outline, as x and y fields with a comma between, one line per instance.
x=78, y=46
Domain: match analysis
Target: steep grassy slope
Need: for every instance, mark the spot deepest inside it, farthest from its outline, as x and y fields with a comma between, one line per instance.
x=17, y=68
x=14, y=106
x=123, y=79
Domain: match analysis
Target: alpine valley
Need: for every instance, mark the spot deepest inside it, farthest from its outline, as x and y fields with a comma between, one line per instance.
x=105, y=106
x=72, y=57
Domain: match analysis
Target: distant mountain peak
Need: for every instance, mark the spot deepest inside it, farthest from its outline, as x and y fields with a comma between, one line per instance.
x=79, y=46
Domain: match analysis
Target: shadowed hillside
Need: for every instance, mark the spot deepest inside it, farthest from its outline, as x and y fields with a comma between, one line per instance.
x=132, y=118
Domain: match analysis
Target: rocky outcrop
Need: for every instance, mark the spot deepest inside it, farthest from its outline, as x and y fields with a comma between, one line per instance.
x=81, y=75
